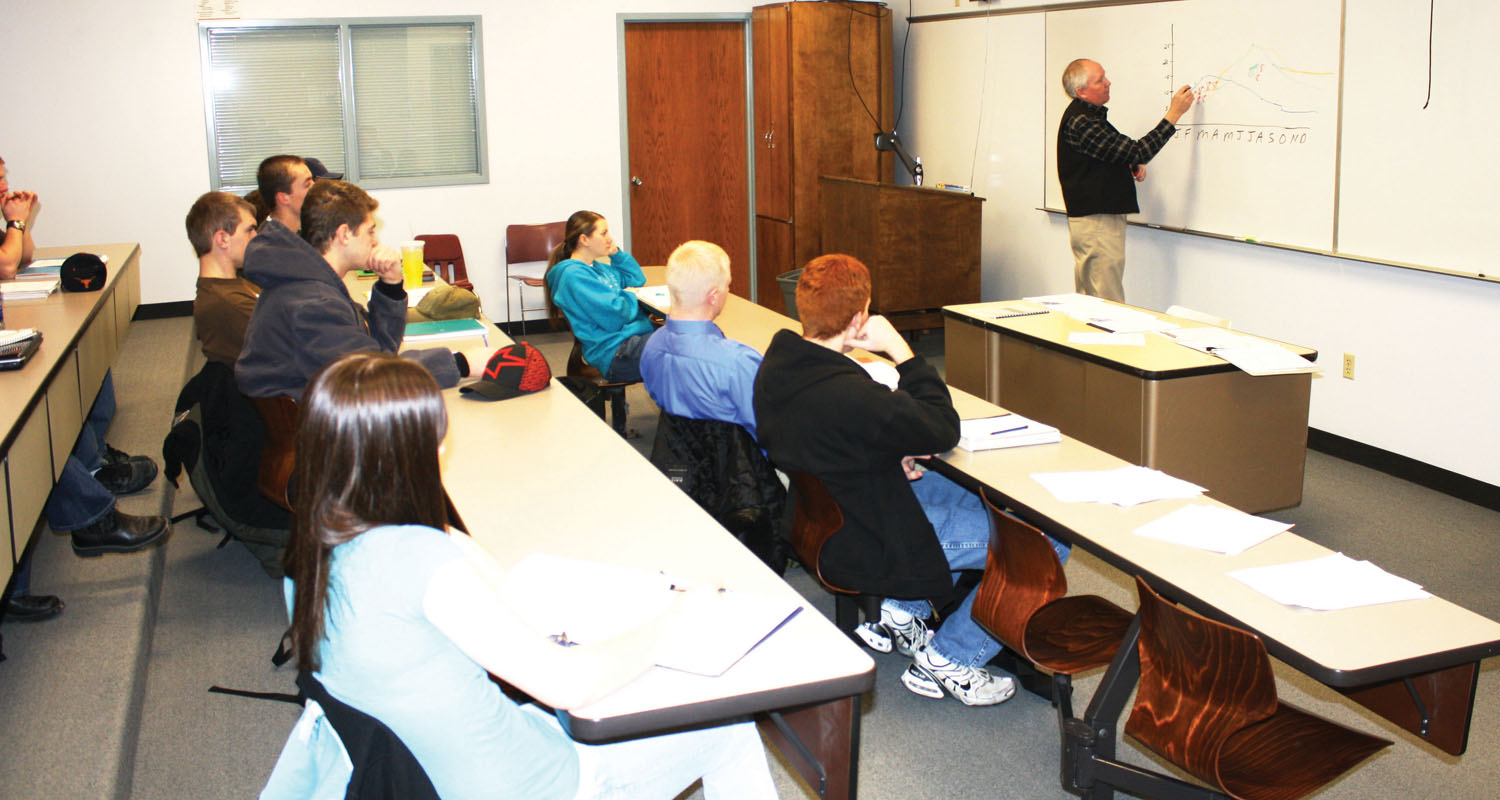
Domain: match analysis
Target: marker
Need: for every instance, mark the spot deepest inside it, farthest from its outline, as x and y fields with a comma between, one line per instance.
x=1251, y=240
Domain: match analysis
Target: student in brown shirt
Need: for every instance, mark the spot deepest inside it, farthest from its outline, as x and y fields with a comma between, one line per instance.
x=220, y=225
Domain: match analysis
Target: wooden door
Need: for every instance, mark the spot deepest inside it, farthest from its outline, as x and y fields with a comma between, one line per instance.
x=686, y=116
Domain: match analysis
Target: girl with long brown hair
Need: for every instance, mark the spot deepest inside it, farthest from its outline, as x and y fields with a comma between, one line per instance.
x=404, y=620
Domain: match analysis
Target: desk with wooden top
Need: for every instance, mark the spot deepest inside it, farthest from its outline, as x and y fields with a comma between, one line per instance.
x=570, y=486
x=44, y=403
x=1415, y=662
x=1161, y=405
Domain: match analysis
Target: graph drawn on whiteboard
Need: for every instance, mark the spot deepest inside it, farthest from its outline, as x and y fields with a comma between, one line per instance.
x=1254, y=157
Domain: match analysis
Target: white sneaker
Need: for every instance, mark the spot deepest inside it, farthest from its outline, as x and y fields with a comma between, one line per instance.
x=908, y=633
x=930, y=674
x=896, y=630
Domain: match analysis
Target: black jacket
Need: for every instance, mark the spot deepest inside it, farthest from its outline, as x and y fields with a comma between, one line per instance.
x=818, y=411
x=719, y=465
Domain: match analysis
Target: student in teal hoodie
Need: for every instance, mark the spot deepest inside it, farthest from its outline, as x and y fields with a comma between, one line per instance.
x=586, y=280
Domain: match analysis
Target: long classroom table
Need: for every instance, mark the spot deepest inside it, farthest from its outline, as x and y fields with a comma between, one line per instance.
x=1415, y=663
x=543, y=473
x=44, y=403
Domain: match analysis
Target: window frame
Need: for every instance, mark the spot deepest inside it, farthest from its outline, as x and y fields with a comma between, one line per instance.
x=350, y=133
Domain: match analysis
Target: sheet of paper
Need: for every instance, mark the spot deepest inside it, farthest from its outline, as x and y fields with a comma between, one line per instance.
x=1216, y=528
x=657, y=296
x=1104, y=337
x=1123, y=486
x=586, y=601
x=1329, y=583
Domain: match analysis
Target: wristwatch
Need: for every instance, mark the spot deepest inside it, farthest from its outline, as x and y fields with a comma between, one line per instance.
x=18, y=224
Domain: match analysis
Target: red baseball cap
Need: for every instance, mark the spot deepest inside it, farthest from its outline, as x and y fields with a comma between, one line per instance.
x=512, y=371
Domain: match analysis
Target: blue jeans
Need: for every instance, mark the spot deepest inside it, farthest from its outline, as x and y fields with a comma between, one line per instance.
x=626, y=365
x=963, y=529
x=79, y=500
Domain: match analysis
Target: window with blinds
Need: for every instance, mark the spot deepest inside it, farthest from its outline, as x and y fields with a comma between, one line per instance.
x=387, y=102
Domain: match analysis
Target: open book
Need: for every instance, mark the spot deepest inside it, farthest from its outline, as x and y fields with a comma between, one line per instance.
x=578, y=602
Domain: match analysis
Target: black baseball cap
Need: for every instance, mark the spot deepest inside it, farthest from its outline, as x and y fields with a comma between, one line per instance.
x=319, y=171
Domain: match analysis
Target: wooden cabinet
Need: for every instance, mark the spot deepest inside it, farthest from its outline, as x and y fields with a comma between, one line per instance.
x=823, y=88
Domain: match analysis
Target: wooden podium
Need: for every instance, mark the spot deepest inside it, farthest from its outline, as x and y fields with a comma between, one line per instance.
x=921, y=245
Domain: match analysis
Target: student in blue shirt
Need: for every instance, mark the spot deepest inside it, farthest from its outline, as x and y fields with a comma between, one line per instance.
x=688, y=366
x=406, y=621
x=586, y=279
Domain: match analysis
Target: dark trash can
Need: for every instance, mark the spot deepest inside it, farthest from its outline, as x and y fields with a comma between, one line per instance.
x=788, y=281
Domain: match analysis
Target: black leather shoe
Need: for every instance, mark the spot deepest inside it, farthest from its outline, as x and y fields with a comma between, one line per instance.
x=32, y=607
x=113, y=456
x=128, y=476
x=119, y=532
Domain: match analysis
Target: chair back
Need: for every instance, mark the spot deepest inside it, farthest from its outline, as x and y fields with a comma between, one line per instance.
x=383, y=766
x=1021, y=574
x=525, y=243
x=1201, y=681
x=445, y=255
x=279, y=453
x=816, y=517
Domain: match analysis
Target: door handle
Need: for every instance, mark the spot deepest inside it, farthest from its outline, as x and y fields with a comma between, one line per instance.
x=635, y=180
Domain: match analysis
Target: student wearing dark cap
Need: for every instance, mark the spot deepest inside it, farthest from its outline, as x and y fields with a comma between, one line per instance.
x=282, y=182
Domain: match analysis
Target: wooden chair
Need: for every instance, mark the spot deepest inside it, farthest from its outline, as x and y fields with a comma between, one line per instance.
x=445, y=256
x=815, y=518
x=1207, y=702
x=1023, y=601
x=278, y=454
x=613, y=391
x=528, y=243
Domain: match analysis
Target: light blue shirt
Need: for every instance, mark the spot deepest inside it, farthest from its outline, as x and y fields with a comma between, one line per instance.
x=692, y=371
x=382, y=656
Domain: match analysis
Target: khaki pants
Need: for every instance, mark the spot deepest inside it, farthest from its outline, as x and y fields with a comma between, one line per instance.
x=1098, y=255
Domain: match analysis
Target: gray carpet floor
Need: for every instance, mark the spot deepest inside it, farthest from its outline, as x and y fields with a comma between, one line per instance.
x=110, y=699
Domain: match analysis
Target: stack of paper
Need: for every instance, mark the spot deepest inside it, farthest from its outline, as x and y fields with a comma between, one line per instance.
x=1216, y=528
x=40, y=269
x=1101, y=314
x=1124, y=486
x=1329, y=583
x=27, y=290
x=1006, y=430
x=580, y=602
x=1252, y=355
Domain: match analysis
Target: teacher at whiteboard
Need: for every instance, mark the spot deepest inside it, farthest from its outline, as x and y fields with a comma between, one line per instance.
x=1098, y=167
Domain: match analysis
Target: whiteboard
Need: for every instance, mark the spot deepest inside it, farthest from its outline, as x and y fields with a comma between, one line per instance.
x=1418, y=186
x=1256, y=156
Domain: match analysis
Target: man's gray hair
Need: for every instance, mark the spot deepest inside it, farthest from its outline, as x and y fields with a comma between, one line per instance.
x=1075, y=76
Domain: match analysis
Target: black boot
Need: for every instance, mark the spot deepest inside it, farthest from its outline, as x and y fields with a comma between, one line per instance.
x=119, y=532
x=125, y=474
x=32, y=607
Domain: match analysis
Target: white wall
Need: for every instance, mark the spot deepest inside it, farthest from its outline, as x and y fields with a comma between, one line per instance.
x=1426, y=379
x=107, y=123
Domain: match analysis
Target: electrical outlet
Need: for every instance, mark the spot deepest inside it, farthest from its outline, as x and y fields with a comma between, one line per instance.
x=1349, y=366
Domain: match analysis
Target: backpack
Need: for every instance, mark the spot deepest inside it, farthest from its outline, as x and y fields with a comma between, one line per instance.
x=217, y=436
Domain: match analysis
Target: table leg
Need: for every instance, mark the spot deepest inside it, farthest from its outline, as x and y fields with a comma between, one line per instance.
x=821, y=742
x=1436, y=706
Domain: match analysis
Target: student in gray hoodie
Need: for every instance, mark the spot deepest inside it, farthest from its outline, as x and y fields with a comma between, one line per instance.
x=305, y=317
